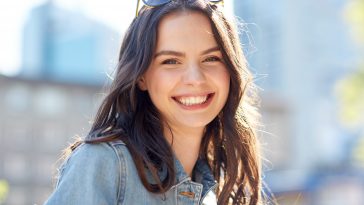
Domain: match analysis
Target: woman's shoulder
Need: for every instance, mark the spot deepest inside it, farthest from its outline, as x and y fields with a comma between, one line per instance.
x=94, y=173
x=98, y=152
x=90, y=157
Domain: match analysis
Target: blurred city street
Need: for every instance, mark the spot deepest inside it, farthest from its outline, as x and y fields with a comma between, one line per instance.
x=307, y=58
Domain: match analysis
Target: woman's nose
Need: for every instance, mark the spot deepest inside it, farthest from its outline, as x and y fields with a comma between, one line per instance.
x=194, y=75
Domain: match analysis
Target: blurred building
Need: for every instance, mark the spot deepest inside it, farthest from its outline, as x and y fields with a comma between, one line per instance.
x=298, y=50
x=66, y=59
x=66, y=46
x=38, y=119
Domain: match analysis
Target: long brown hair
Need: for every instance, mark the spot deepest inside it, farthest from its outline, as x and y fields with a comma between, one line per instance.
x=229, y=143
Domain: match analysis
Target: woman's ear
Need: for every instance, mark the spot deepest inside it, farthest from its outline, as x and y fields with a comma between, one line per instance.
x=142, y=84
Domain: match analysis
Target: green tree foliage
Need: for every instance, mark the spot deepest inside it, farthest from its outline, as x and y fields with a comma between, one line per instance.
x=4, y=188
x=351, y=96
x=351, y=88
x=355, y=16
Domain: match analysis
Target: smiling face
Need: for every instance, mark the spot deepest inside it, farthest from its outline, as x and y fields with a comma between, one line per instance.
x=187, y=80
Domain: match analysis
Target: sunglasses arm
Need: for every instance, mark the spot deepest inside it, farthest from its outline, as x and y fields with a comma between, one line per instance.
x=137, y=8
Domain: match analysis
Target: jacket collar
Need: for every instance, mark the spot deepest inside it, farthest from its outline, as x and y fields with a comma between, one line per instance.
x=201, y=174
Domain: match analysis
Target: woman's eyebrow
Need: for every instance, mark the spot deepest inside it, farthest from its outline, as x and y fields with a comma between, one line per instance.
x=169, y=52
x=182, y=54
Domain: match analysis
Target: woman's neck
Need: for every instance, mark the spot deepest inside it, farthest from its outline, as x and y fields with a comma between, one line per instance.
x=186, y=145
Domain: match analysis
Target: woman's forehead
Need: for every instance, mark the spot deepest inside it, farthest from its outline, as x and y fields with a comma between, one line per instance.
x=175, y=19
x=185, y=29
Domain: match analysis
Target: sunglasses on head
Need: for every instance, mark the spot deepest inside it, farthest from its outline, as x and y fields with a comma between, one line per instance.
x=154, y=3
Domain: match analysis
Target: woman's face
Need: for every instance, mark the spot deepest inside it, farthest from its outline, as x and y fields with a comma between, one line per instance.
x=187, y=80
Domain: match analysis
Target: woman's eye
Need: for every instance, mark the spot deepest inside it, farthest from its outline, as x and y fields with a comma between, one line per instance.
x=170, y=61
x=212, y=59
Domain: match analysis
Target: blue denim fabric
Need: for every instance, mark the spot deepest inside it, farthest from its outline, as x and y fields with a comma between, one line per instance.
x=105, y=173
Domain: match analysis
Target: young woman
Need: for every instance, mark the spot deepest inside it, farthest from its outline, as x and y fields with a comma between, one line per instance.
x=177, y=124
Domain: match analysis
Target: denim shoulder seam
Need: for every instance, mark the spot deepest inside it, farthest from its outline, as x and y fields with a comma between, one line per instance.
x=117, y=142
x=122, y=169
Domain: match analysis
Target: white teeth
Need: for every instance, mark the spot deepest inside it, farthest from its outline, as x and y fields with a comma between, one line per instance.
x=192, y=100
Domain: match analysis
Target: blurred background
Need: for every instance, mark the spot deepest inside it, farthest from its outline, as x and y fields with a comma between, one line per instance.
x=307, y=56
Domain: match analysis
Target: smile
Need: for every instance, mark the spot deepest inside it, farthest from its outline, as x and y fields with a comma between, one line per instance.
x=193, y=100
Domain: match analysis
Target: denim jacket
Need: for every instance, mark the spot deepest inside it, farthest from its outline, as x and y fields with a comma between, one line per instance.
x=104, y=173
